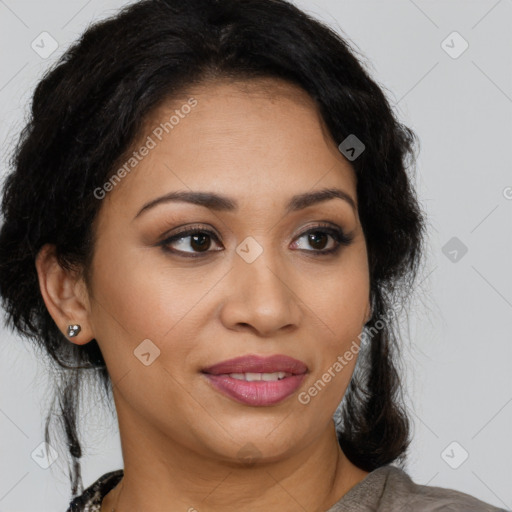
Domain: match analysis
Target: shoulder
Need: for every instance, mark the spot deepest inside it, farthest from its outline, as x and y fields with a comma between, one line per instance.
x=90, y=499
x=391, y=489
x=400, y=490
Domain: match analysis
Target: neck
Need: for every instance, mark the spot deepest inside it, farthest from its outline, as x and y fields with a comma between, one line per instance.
x=159, y=472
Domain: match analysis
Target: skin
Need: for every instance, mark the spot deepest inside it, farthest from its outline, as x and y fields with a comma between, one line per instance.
x=258, y=142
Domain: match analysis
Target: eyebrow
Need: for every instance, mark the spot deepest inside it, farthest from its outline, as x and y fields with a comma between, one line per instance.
x=223, y=203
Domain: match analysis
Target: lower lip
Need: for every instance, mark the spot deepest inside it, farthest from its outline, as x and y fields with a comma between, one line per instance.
x=258, y=393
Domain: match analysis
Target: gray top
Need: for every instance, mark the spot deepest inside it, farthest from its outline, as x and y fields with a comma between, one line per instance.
x=386, y=489
x=390, y=489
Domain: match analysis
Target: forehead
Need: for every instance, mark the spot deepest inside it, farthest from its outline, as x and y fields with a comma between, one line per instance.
x=263, y=136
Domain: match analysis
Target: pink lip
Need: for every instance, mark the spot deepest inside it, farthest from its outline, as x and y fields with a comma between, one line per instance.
x=258, y=364
x=257, y=393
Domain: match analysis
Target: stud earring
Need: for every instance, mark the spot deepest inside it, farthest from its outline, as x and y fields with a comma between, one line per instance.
x=73, y=330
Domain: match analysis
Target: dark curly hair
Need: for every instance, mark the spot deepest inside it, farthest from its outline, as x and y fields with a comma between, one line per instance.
x=87, y=112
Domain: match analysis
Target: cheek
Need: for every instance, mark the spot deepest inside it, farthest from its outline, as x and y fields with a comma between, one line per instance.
x=326, y=388
x=133, y=303
x=339, y=308
x=137, y=295
x=338, y=301
x=136, y=300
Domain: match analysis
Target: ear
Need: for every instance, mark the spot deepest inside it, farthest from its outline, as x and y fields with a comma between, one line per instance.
x=64, y=294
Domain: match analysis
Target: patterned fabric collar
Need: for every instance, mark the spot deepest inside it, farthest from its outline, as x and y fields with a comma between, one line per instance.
x=90, y=500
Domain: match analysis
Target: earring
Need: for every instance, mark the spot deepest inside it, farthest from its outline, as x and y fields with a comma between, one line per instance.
x=73, y=330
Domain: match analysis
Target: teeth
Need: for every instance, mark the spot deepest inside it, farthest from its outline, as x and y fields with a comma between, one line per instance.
x=260, y=376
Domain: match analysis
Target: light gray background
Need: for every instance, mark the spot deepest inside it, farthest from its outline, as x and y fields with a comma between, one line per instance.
x=459, y=346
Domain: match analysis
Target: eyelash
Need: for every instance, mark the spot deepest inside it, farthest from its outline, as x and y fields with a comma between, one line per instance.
x=337, y=234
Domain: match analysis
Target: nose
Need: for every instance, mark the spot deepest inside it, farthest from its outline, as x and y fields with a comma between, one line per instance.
x=261, y=296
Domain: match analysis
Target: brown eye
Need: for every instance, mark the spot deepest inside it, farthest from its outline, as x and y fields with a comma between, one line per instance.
x=198, y=240
x=195, y=242
x=319, y=239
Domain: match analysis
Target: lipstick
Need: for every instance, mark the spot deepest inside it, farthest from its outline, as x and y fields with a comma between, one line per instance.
x=257, y=380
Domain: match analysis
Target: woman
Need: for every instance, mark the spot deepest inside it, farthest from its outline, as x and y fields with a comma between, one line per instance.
x=210, y=215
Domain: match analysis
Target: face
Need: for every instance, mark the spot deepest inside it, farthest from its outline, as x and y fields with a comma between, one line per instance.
x=257, y=277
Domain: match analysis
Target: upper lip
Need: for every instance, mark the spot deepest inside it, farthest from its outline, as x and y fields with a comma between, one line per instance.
x=258, y=364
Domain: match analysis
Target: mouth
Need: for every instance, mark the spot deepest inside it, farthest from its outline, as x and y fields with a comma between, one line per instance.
x=253, y=377
x=255, y=380
x=252, y=364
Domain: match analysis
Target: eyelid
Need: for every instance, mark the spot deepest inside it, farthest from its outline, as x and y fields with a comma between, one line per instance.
x=341, y=237
x=186, y=230
x=337, y=233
